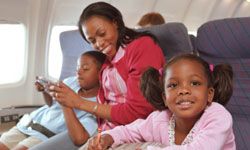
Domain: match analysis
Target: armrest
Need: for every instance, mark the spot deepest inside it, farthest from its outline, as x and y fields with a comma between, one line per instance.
x=13, y=113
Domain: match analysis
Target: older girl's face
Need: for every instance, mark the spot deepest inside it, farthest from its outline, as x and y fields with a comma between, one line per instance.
x=186, y=89
x=102, y=34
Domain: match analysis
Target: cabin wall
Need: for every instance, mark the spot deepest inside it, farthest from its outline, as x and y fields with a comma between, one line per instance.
x=31, y=13
x=39, y=16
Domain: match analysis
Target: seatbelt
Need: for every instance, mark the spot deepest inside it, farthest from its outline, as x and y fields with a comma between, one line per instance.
x=38, y=127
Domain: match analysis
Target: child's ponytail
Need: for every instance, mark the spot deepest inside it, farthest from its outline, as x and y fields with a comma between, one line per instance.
x=222, y=83
x=152, y=87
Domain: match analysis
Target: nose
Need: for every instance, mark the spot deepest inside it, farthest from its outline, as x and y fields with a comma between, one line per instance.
x=184, y=90
x=78, y=71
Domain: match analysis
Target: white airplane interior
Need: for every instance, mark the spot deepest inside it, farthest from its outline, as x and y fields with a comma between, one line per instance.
x=41, y=38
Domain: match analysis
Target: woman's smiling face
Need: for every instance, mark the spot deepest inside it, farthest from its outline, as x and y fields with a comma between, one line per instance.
x=102, y=34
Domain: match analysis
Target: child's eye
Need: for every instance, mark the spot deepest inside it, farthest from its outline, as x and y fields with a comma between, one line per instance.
x=195, y=83
x=102, y=34
x=171, y=85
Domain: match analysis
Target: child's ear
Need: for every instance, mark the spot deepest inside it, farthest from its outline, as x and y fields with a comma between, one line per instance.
x=210, y=95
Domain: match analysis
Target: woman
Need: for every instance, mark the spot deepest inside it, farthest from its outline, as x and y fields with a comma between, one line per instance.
x=128, y=53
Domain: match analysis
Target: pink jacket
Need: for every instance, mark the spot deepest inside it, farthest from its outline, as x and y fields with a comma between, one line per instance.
x=213, y=131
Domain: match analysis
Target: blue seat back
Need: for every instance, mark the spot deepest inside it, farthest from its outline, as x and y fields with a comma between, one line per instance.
x=228, y=41
x=72, y=46
x=173, y=38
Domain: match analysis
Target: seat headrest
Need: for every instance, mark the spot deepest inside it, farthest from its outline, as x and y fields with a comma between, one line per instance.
x=72, y=46
x=173, y=38
x=227, y=38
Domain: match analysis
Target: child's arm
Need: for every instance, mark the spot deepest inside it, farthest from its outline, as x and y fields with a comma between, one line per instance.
x=76, y=130
x=216, y=133
x=138, y=131
x=103, y=143
x=40, y=87
x=119, y=135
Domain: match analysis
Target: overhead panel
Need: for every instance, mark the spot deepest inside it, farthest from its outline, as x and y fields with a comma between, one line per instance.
x=132, y=10
x=14, y=10
x=173, y=11
x=197, y=13
x=243, y=10
x=224, y=9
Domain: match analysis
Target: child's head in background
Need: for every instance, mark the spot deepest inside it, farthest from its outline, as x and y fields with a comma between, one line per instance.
x=187, y=86
x=150, y=19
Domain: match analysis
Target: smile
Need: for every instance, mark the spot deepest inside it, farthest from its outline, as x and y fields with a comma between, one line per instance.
x=184, y=104
x=107, y=49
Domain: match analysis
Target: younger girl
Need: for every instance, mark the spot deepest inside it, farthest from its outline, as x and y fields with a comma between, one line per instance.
x=192, y=120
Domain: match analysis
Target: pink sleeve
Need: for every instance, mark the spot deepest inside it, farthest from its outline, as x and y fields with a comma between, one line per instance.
x=138, y=131
x=216, y=134
x=141, y=54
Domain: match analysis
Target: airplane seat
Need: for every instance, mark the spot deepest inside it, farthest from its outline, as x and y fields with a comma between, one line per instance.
x=173, y=38
x=72, y=46
x=228, y=41
x=193, y=42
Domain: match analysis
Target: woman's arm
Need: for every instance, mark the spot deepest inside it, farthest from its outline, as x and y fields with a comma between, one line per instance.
x=140, y=54
x=67, y=97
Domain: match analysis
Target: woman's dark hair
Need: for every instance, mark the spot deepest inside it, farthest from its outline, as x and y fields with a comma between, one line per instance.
x=98, y=56
x=220, y=78
x=126, y=35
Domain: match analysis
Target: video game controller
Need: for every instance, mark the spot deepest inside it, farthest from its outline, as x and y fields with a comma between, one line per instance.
x=44, y=81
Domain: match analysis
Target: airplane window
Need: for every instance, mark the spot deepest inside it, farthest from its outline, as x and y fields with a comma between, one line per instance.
x=55, y=54
x=12, y=53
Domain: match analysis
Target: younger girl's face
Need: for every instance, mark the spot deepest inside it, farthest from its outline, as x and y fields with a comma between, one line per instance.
x=87, y=72
x=102, y=34
x=186, y=89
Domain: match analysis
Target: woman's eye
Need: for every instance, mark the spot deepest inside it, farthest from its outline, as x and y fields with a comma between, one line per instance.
x=93, y=41
x=195, y=83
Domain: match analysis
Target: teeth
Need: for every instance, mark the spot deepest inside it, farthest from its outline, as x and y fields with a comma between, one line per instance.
x=185, y=103
x=107, y=49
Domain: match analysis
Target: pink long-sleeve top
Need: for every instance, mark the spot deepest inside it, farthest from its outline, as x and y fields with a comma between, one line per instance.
x=120, y=81
x=213, y=131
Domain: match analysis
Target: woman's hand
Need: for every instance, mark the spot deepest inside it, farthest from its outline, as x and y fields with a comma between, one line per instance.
x=100, y=143
x=64, y=95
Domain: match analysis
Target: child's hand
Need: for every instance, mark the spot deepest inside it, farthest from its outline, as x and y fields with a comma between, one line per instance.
x=39, y=87
x=42, y=84
x=100, y=144
x=64, y=95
